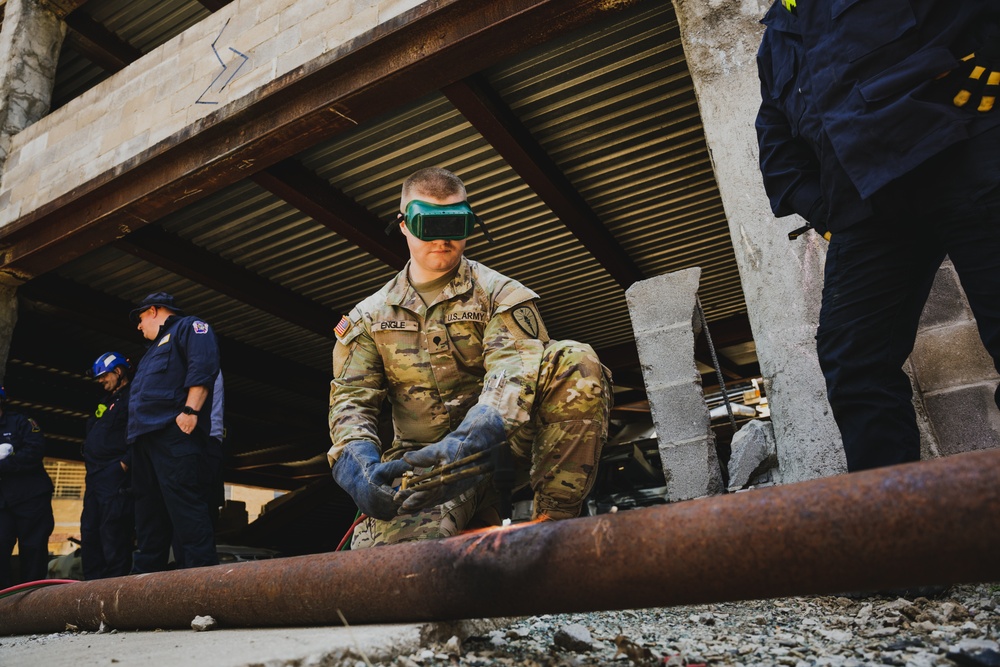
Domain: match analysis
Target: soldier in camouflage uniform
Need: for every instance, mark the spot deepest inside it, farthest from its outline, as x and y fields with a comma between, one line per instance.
x=463, y=356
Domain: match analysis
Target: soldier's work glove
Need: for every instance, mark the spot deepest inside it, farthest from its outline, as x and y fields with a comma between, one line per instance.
x=6, y=449
x=481, y=430
x=978, y=81
x=360, y=472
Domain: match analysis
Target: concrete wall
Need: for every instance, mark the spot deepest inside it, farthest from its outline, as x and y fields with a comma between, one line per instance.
x=176, y=85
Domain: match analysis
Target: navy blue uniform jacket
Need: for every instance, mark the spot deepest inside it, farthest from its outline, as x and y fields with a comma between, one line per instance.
x=106, y=442
x=850, y=100
x=185, y=354
x=22, y=474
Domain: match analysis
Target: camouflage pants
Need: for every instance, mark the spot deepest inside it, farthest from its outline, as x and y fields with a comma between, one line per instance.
x=559, y=448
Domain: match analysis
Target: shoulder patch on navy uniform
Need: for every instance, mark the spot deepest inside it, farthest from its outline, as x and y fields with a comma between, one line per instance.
x=199, y=327
x=527, y=320
x=34, y=425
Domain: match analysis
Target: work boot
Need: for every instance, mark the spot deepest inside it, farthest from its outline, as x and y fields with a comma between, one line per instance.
x=547, y=509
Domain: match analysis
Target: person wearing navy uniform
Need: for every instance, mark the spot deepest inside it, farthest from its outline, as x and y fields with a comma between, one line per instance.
x=878, y=125
x=169, y=428
x=25, y=497
x=107, y=524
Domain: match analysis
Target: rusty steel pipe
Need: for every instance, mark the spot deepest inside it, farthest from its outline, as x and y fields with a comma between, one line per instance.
x=935, y=522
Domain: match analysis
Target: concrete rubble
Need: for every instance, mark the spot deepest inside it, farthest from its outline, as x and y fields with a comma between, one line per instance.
x=754, y=455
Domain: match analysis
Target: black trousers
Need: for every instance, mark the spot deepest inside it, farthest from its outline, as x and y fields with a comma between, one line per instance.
x=878, y=276
x=29, y=523
x=107, y=524
x=169, y=499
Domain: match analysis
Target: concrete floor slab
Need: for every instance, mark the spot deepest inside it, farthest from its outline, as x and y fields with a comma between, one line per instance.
x=259, y=647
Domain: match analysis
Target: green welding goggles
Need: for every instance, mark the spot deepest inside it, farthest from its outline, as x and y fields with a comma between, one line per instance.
x=429, y=222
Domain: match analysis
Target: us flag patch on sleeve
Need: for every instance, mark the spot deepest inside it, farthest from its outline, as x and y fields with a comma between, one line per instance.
x=343, y=326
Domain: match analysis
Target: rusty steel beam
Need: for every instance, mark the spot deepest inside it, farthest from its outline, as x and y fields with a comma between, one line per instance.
x=173, y=253
x=305, y=190
x=483, y=107
x=934, y=522
x=214, y=5
x=62, y=8
x=397, y=62
x=108, y=315
x=98, y=44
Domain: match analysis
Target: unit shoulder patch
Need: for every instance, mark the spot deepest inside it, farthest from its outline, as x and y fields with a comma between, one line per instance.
x=527, y=319
x=200, y=327
x=35, y=428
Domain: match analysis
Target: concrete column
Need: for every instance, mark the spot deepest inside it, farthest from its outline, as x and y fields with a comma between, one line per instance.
x=8, y=318
x=782, y=279
x=665, y=319
x=30, y=42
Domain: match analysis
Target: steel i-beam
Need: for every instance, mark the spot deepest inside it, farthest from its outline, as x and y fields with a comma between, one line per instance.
x=934, y=522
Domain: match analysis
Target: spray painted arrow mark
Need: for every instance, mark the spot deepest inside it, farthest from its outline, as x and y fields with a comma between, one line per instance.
x=224, y=67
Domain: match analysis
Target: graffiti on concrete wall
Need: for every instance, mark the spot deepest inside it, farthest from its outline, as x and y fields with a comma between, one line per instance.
x=226, y=74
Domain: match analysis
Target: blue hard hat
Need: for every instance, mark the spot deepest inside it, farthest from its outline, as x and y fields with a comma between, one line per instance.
x=108, y=362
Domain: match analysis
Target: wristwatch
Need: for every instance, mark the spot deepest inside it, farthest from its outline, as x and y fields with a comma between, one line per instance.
x=188, y=410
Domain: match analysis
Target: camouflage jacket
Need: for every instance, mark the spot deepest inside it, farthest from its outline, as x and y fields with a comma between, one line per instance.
x=481, y=340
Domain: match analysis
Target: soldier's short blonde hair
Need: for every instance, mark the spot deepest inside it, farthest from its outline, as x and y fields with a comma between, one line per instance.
x=433, y=182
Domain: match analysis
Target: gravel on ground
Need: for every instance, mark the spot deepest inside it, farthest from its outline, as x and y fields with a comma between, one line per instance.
x=960, y=626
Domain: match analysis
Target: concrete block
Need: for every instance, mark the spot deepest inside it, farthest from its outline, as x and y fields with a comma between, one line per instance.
x=946, y=303
x=30, y=183
x=241, y=23
x=364, y=17
x=679, y=412
x=287, y=40
x=33, y=147
x=300, y=12
x=302, y=54
x=965, y=419
x=60, y=132
x=387, y=9
x=668, y=356
x=257, y=34
x=266, y=53
x=335, y=14
x=114, y=137
x=691, y=469
x=754, y=452
x=140, y=104
x=951, y=356
x=663, y=300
